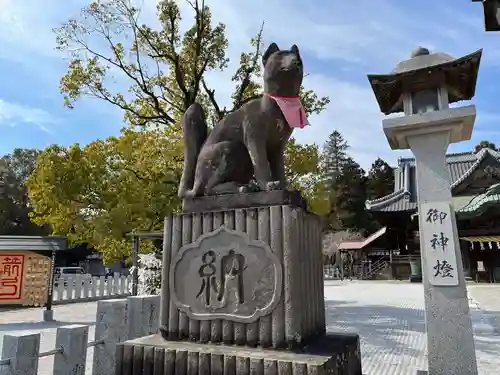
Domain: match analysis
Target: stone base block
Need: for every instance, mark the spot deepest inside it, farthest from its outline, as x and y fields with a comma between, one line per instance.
x=336, y=354
x=415, y=279
x=48, y=315
x=225, y=202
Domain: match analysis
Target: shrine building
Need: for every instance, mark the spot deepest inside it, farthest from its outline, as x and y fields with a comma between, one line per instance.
x=475, y=187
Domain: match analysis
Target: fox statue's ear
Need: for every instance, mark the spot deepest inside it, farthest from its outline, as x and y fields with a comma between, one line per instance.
x=273, y=47
x=295, y=50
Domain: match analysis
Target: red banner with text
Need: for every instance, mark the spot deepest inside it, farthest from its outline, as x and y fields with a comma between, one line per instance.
x=11, y=277
x=23, y=278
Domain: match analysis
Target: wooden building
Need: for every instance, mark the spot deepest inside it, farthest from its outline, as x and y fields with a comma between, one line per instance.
x=476, y=200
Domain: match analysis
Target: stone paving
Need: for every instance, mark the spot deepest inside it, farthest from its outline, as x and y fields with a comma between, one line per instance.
x=389, y=316
x=487, y=297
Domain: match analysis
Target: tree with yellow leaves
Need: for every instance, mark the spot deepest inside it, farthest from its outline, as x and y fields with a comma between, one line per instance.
x=98, y=193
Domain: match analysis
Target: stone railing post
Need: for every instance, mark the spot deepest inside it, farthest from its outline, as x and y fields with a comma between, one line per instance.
x=21, y=354
x=72, y=340
x=112, y=328
x=142, y=316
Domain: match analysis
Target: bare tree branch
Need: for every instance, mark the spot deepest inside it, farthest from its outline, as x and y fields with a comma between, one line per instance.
x=211, y=96
x=101, y=94
x=248, y=73
x=141, y=82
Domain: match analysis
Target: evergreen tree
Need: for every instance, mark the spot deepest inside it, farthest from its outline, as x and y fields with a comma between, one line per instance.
x=351, y=198
x=380, y=180
x=334, y=156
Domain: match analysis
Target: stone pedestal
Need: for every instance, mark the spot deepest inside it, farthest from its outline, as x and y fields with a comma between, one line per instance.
x=276, y=274
x=243, y=287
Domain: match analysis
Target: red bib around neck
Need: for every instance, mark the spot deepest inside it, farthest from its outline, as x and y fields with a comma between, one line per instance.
x=292, y=109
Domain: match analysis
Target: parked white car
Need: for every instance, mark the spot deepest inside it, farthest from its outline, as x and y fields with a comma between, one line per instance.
x=67, y=274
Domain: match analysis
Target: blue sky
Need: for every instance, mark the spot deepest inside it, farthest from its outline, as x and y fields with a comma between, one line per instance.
x=340, y=43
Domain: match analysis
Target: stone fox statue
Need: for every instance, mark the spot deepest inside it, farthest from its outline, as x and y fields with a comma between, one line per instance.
x=247, y=146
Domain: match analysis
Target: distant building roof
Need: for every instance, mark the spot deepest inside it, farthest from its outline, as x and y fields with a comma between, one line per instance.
x=33, y=243
x=481, y=203
x=404, y=198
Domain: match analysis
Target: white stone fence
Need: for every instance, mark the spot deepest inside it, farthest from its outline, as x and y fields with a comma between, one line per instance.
x=116, y=321
x=80, y=289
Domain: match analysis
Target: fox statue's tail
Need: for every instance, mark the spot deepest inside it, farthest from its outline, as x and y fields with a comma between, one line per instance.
x=195, y=131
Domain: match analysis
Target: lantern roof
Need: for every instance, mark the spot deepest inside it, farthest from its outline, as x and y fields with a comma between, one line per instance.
x=423, y=71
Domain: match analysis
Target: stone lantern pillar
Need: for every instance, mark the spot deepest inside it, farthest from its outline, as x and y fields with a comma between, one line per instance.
x=423, y=87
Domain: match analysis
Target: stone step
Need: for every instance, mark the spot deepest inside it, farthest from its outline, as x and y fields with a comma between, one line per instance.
x=334, y=353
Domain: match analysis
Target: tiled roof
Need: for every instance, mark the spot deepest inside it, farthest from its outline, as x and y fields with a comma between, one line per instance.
x=398, y=201
x=460, y=165
x=480, y=156
x=481, y=202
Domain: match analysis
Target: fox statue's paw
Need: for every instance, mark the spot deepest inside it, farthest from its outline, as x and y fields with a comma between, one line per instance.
x=163, y=332
x=244, y=189
x=251, y=187
x=274, y=185
x=190, y=194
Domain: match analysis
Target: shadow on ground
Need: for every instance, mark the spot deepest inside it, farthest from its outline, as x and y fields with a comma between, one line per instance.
x=494, y=319
x=488, y=345
x=8, y=327
x=381, y=327
x=489, y=342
